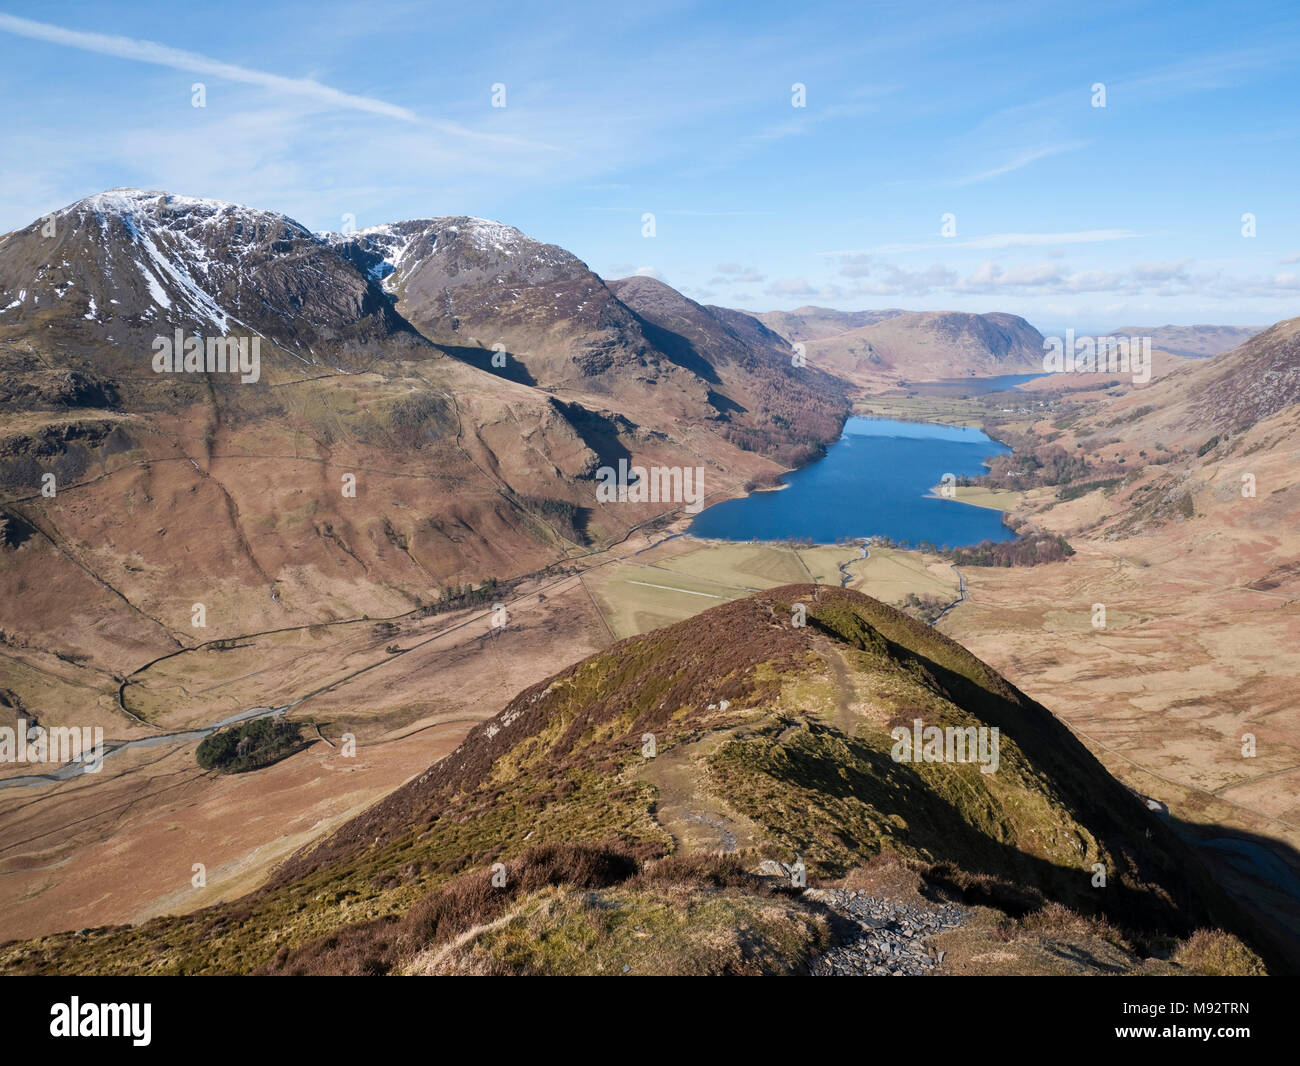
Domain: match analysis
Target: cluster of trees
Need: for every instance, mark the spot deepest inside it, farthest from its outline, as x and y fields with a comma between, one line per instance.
x=568, y=518
x=1082, y=488
x=906, y=545
x=1045, y=465
x=766, y=480
x=925, y=608
x=250, y=746
x=775, y=445
x=1027, y=551
x=794, y=413
x=456, y=596
x=1036, y=461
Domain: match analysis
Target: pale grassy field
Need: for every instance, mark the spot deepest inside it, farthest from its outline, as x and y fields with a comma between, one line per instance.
x=683, y=577
x=993, y=499
x=950, y=412
x=889, y=574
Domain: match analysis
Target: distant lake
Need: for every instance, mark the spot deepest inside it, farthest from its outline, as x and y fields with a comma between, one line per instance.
x=954, y=387
x=875, y=480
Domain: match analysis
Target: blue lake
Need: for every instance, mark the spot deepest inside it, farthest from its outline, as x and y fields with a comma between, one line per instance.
x=982, y=386
x=955, y=387
x=877, y=479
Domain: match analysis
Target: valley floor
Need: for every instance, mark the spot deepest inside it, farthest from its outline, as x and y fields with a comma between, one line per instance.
x=69, y=851
x=1190, y=661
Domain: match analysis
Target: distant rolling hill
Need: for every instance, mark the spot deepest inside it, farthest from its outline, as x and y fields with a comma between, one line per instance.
x=1192, y=341
x=818, y=323
x=916, y=346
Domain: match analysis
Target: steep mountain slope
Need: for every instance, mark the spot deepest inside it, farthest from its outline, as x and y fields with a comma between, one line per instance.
x=469, y=282
x=121, y=267
x=1230, y=392
x=770, y=741
x=753, y=371
x=180, y=547
x=1254, y=381
x=1137, y=459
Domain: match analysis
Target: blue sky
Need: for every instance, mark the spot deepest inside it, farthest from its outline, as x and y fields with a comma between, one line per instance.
x=1069, y=214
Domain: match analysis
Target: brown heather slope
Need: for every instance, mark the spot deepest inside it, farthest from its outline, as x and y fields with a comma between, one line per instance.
x=754, y=369
x=1201, y=644
x=777, y=733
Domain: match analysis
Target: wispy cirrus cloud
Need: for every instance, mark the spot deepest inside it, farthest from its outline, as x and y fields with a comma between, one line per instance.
x=678, y=211
x=993, y=279
x=178, y=59
x=735, y=274
x=163, y=55
x=793, y=287
x=1024, y=159
x=996, y=240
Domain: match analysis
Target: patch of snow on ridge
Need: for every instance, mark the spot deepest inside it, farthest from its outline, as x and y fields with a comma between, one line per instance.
x=168, y=210
x=385, y=241
x=128, y=201
x=143, y=231
x=495, y=236
x=156, y=290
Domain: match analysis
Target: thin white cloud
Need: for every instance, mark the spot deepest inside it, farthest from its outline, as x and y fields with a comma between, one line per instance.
x=1159, y=279
x=683, y=211
x=792, y=287
x=178, y=59
x=805, y=122
x=1022, y=160
x=1019, y=240
x=997, y=240
x=735, y=274
x=192, y=62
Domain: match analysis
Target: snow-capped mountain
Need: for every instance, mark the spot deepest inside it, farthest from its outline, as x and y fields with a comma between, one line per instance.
x=129, y=263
